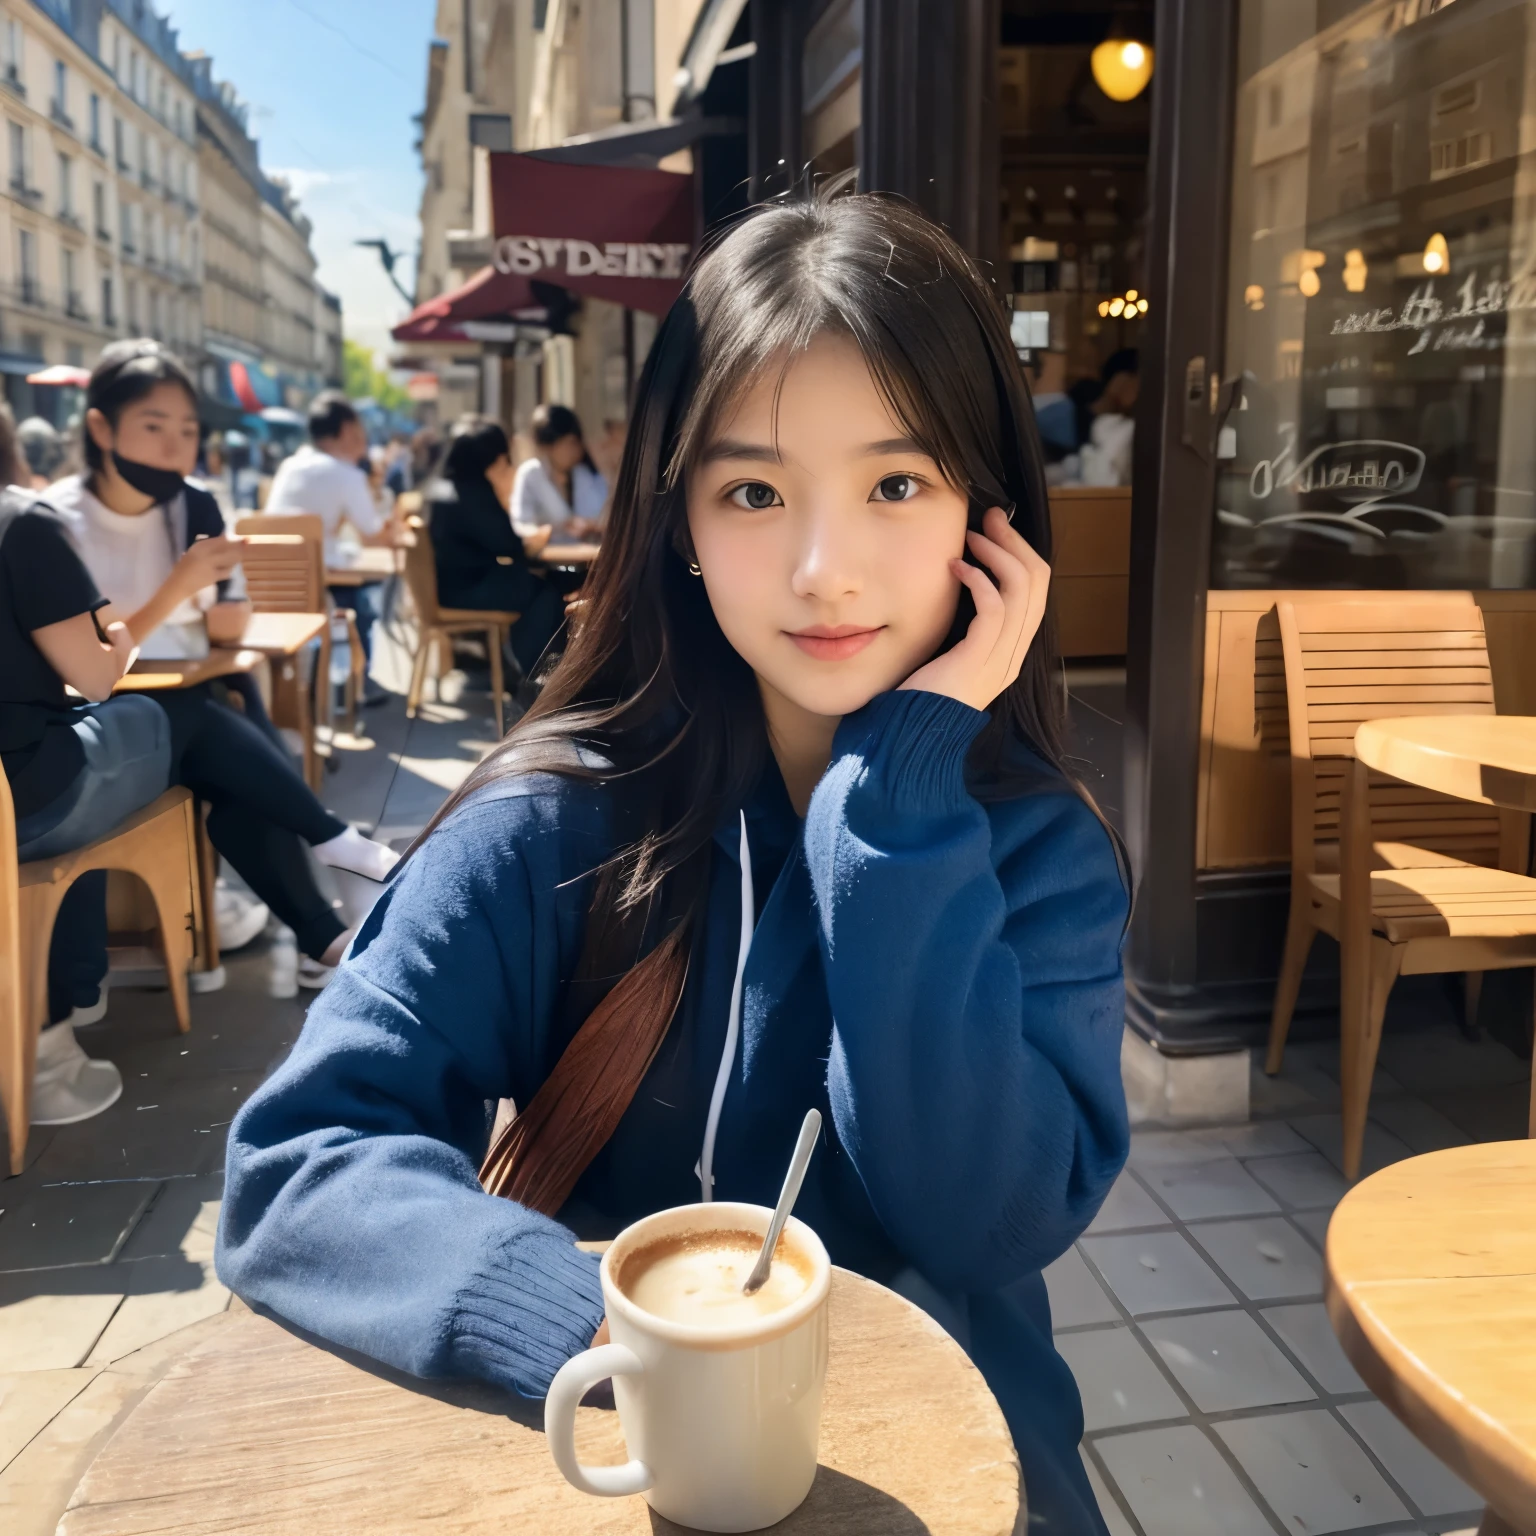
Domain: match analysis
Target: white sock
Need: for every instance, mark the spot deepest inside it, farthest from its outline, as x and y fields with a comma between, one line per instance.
x=351, y=850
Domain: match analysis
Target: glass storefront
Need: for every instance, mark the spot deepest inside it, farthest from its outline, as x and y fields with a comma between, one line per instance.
x=1379, y=383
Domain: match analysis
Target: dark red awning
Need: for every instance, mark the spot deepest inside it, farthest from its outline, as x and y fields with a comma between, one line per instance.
x=612, y=232
x=488, y=295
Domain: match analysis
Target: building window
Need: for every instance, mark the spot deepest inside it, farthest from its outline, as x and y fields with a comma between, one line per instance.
x=18, y=136
x=126, y=220
x=134, y=76
x=73, y=303
x=96, y=122
x=133, y=306
x=13, y=56
x=26, y=248
x=61, y=91
x=99, y=209
x=108, y=313
x=74, y=354
x=119, y=144
x=67, y=188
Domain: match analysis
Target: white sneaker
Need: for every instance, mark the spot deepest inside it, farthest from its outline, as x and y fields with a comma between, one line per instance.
x=313, y=975
x=69, y=1086
x=92, y=1015
x=238, y=917
x=351, y=850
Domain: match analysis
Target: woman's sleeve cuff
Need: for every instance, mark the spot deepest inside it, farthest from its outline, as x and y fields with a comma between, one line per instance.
x=915, y=743
x=536, y=1305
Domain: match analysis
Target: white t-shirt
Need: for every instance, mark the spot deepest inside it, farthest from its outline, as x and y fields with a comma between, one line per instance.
x=536, y=499
x=129, y=559
x=312, y=481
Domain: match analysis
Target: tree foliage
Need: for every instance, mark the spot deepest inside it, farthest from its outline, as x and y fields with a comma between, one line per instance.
x=363, y=379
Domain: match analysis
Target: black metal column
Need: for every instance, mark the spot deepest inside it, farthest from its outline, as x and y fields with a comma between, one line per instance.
x=929, y=113
x=1173, y=496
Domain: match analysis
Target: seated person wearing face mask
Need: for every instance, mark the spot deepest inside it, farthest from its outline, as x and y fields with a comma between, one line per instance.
x=76, y=767
x=157, y=550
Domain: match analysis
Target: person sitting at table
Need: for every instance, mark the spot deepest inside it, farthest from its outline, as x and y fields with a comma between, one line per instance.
x=560, y=485
x=157, y=548
x=75, y=770
x=790, y=825
x=329, y=477
x=482, y=560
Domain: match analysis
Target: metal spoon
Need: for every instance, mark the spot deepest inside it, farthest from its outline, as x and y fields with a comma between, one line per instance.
x=810, y=1129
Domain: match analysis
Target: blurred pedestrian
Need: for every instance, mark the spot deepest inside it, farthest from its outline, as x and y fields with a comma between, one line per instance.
x=42, y=449
x=327, y=477
x=559, y=485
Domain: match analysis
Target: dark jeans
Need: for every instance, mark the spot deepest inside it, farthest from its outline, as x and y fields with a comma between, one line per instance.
x=127, y=745
x=367, y=602
x=262, y=811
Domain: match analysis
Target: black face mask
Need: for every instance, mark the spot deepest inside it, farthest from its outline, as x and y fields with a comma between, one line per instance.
x=149, y=480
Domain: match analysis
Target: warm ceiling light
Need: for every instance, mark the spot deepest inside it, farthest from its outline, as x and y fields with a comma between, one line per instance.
x=1253, y=296
x=1130, y=295
x=1355, y=271
x=1437, y=254
x=1141, y=305
x=1309, y=282
x=1117, y=306
x=1121, y=67
x=1104, y=309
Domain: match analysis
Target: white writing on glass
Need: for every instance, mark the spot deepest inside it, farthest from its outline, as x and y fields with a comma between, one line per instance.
x=1356, y=469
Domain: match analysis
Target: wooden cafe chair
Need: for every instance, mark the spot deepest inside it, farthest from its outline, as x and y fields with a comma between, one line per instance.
x=435, y=625
x=158, y=845
x=284, y=565
x=1409, y=881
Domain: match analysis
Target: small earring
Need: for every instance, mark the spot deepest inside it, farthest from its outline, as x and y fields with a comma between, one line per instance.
x=693, y=568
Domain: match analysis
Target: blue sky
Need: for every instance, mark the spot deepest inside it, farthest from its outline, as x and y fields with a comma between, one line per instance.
x=332, y=86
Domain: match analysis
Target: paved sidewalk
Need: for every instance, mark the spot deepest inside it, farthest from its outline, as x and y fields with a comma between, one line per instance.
x=1217, y=1400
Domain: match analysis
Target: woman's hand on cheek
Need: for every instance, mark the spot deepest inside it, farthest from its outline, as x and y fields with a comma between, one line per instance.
x=987, y=658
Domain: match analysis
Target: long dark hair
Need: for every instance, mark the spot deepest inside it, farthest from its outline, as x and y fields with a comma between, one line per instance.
x=550, y=423
x=649, y=682
x=125, y=372
x=474, y=444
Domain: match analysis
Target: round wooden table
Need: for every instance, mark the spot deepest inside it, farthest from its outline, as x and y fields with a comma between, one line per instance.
x=1432, y=1292
x=260, y=1431
x=1487, y=758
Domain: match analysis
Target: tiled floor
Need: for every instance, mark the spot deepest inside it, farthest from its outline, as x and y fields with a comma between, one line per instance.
x=1215, y=1395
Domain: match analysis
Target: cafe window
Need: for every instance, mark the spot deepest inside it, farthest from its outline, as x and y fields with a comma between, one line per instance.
x=1378, y=392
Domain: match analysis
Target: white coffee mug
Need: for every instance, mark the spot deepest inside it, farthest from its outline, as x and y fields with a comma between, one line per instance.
x=721, y=1423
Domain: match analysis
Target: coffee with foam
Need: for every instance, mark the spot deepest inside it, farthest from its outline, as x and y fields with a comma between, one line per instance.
x=696, y=1279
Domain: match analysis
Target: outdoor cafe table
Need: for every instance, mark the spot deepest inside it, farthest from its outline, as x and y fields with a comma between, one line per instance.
x=266, y=635
x=1432, y=1292
x=372, y=562
x=1488, y=758
x=257, y=1430
x=568, y=554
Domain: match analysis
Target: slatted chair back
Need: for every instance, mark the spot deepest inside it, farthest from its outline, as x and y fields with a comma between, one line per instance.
x=421, y=573
x=1348, y=662
x=284, y=562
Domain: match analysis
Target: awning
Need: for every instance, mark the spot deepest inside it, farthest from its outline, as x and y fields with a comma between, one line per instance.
x=61, y=373
x=488, y=295
x=21, y=363
x=611, y=232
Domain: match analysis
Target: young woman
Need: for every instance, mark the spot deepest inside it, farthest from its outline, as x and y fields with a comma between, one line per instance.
x=482, y=561
x=560, y=485
x=157, y=548
x=74, y=770
x=787, y=827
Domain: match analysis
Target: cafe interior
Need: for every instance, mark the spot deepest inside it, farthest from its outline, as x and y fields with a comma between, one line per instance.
x=1291, y=367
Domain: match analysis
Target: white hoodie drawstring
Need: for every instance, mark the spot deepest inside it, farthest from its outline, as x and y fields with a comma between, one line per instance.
x=706, y=1169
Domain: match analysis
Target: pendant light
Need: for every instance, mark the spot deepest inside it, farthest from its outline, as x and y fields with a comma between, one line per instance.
x=1122, y=63
x=1437, y=254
